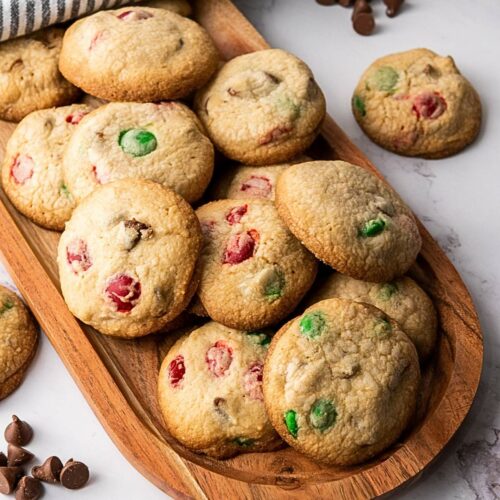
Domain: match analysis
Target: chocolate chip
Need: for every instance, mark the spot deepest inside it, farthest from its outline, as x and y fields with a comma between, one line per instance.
x=49, y=471
x=29, y=488
x=74, y=475
x=18, y=432
x=346, y=3
x=8, y=478
x=392, y=7
x=363, y=23
x=326, y=2
x=219, y=404
x=3, y=459
x=136, y=231
x=17, y=455
x=361, y=6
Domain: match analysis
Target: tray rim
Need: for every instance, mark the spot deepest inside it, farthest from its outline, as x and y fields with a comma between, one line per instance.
x=60, y=326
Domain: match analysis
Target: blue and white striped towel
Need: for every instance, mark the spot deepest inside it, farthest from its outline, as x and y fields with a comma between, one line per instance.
x=20, y=17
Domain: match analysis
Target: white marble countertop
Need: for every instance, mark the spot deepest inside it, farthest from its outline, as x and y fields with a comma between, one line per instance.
x=458, y=199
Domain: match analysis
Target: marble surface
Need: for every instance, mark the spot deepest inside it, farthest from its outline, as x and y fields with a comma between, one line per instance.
x=458, y=199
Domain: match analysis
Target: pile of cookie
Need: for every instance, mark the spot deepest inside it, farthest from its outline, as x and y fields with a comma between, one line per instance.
x=339, y=381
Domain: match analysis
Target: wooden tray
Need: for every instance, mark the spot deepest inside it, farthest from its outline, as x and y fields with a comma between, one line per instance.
x=118, y=378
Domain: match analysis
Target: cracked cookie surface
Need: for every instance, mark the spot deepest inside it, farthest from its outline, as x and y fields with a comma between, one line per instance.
x=210, y=391
x=341, y=382
x=162, y=142
x=18, y=341
x=137, y=54
x=29, y=76
x=348, y=218
x=417, y=103
x=402, y=299
x=127, y=258
x=261, y=108
x=32, y=173
x=253, y=270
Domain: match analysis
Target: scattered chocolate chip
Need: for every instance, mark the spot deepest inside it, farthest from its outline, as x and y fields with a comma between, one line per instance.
x=49, y=471
x=361, y=6
x=363, y=23
x=3, y=459
x=17, y=455
x=74, y=475
x=18, y=432
x=392, y=7
x=346, y=3
x=29, y=488
x=326, y=2
x=136, y=231
x=8, y=478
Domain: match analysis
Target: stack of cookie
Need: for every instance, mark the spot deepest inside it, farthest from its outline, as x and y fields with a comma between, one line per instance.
x=339, y=382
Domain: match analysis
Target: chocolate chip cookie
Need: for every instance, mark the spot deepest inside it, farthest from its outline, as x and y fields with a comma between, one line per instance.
x=417, y=103
x=349, y=219
x=341, y=382
x=32, y=173
x=127, y=258
x=137, y=54
x=253, y=270
x=261, y=108
x=30, y=79
x=162, y=142
x=210, y=392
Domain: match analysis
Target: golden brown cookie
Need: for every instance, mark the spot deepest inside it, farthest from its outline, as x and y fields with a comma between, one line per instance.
x=137, y=54
x=262, y=108
x=417, y=103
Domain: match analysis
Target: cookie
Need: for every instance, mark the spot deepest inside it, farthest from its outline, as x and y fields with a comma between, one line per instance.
x=137, y=54
x=30, y=79
x=162, y=142
x=417, y=103
x=32, y=173
x=250, y=181
x=18, y=341
x=341, y=382
x=349, y=219
x=261, y=108
x=127, y=258
x=402, y=299
x=253, y=270
x=210, y=392
x=181, y=7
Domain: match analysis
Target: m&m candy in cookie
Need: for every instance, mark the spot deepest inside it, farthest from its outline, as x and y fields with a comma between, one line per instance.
x=210, y=391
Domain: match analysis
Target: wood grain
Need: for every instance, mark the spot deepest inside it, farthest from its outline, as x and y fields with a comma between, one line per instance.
x=118, y=378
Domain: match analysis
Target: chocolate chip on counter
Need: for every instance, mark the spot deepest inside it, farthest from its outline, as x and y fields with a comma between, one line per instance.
x=8, y=478
x=361, y=6
x=18, y=456
x=49, y=471
x=326, y=2
x=3, y=459
x=392, y=7
x=363, y=23
x=74, y=475
x=18, y=432
x=346, y=3
x=29, y=488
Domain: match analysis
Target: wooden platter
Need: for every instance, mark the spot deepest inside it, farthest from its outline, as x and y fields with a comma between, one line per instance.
x=118, y=378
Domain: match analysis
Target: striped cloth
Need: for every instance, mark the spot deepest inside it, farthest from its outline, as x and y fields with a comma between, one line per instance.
x=20, y=17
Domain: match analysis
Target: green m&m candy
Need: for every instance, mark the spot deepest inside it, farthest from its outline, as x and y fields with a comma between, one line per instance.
x=322, y=415
x=260, y=338
x=291, y=422
x=372, y=228
x=6, y=306
x=382, y=328
x=384, y=79
x=387, y=290
x=137, y=141
x=312, y=324
x=359, y=105
x=273, y=289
